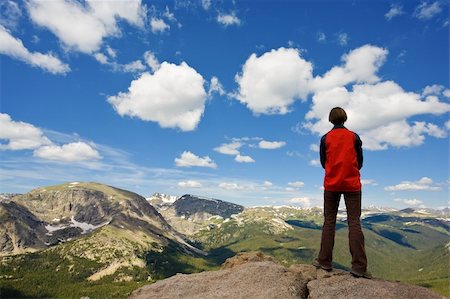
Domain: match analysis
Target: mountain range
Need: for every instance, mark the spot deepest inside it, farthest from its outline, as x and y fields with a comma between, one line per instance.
x=89, y=239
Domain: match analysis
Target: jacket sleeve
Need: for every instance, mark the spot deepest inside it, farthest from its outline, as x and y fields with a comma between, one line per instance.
x=359, y=152
x=323, y=151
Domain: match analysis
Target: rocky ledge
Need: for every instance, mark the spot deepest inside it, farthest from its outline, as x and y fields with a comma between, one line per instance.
x=253, y=275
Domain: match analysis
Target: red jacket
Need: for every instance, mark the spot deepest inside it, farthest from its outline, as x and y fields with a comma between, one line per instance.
x=341, y=156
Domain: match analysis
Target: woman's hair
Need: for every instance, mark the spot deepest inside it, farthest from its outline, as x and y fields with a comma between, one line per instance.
x=337, y=116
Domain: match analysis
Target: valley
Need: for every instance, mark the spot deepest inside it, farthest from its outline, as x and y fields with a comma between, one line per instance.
x=89, y=239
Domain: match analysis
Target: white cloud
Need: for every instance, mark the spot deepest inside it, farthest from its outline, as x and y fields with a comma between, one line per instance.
x=446, y=93
x=447, y=125
x=94, y=20
x=426, y=11
x=206, y=4
x=304, y=201
x=189, y=184
x=394, y=11
x=188, y=159
x=111, y=52
x=228, y=19
x=169, y=15
x=158, y=25
x=359, y=65
x=20, y=135
x=173, y=96
x=102, y=58
x=321, y=37
x=411, y=202
x=229, y=148
x=14, y=48
x=271, y=144
x=244, y=159
x=367, y=182
x=270, y=83
x=424, y=183
x=296, y=184
x=71, y=152
x=342, y=39
x=25, y=136
x=152, y=61
x=132, y=67
x=215, y=86
x=314, y=147
x=231, y=186
x=434, y=89
x=267, y=184
x=263, y=88
x=315, y=162
x=387, y=127
x=10, y=13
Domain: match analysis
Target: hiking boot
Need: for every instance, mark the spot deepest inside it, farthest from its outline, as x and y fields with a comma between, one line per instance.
x=319, y=266
x=359, y=274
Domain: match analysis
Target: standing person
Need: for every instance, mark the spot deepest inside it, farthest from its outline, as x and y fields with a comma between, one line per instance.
x=341, y=157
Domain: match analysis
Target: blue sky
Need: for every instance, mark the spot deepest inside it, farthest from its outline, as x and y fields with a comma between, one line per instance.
x=226, y=99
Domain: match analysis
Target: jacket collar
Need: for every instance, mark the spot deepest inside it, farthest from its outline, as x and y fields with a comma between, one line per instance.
x=339, y=127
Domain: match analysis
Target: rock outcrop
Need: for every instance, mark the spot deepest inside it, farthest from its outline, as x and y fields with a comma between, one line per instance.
x=252, y=275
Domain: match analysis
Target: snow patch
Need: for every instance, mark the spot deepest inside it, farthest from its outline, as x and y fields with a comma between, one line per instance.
x=85, y=227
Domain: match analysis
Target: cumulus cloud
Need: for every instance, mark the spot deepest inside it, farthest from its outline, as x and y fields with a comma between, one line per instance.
x=189, y=184
x=424, y=183
x=188, y=159
x=426, y=11
x=228, y=19
x=20, y=135
x=271, y=144
x=158, y=25
x=387, y=127
x=359, y=65
x=71, y=152
x=270, y=83
x=229, y=148
x=94, y=20
x=25, y=136
x=244, y=159
x=14, y=48
x=394, y=11
x=174, y=97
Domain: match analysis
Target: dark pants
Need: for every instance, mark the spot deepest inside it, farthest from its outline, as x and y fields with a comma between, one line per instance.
x=355, y=234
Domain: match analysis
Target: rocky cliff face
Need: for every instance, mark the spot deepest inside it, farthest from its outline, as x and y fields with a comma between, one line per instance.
x=104, y=216
x=252, y=275
x=189, y=213
x=20, y=229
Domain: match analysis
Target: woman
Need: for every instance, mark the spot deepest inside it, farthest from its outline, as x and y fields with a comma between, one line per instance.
x=341, y=157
